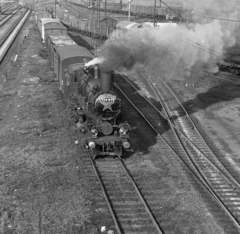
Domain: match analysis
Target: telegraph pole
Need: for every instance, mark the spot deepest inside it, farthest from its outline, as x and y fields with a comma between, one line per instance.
x=154, y=14
x=105, y=9
x=91, y=23
x=55, y=9
x=129, y=11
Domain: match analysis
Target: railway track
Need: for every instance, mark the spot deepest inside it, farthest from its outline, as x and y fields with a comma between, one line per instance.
x=168, y=118
x=10, y=35
x=130, y=211
x=188, y=143
x=134, y=202
x=178, y=132
x=8, y=17
x=6, y=9
x=234, y=78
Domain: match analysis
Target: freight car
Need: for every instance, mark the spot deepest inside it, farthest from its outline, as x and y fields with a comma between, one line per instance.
x=124, y=25
x=91, y=100
x=100, y=30
x=161, y=13
x=51, y=27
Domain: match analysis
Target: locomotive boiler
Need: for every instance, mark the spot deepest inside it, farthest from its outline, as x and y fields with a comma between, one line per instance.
x=97, y=111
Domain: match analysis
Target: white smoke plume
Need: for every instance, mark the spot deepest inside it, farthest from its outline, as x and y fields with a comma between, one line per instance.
x=164, y=48
x=97, y=60
x=219, y=9
x=173, y=50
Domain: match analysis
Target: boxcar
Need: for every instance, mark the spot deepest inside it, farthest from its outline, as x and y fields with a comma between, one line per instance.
x=128, y=25
x=69, y=54
x=52, y=39
x=47, y=21
x=54, y=44
x=54, y=30
x=39, y=15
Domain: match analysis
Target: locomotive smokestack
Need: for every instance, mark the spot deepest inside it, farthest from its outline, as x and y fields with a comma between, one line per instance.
x=105, y=80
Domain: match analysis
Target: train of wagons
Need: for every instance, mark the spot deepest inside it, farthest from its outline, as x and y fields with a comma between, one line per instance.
x=91, y=99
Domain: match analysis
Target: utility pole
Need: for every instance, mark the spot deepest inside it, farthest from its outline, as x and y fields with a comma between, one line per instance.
x=129, y=11
x=98, y=22
x=154, y=14
x=91, y=23
x=105, y=9
x=55, y=9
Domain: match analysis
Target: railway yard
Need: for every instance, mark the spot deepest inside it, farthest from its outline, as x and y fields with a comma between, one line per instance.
x=180, y=176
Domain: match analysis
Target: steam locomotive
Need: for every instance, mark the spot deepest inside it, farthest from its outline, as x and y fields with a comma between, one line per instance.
x=97, y=110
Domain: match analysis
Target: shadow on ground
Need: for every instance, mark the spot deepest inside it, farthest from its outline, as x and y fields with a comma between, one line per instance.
x=224, y=92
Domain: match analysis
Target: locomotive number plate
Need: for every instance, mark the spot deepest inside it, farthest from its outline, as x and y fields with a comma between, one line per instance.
x=106, y=100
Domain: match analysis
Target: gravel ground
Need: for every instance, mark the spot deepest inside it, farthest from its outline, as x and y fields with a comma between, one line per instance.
x=40, y=177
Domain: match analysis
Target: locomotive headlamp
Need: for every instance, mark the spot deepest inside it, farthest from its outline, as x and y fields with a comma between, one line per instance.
x=82, y=130
x=94, y=132
x=126, y=145
x=91, y=144
x=123, y=130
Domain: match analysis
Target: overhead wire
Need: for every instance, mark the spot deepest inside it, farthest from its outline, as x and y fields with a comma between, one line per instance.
x=206, y=49
x=171, y=9
x=207, y=16
x=213, y=51
x=118, y=9
x=192, y=43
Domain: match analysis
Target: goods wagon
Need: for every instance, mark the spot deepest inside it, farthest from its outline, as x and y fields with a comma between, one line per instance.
x=53, y=42
x=54, y=30
x=47, y=21
x=39, y=15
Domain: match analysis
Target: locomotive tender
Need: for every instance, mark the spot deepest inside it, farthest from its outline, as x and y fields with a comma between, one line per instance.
x=89, y=93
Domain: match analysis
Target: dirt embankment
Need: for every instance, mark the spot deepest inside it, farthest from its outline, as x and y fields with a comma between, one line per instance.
x=41, y=183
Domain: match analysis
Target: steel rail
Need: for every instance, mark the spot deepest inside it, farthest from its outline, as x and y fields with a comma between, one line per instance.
x=226, y=175
x=4, y=46
x=13, y=26
x=203, y=179
x=108, y=201
x=141, y=197
x=9, y=16
x=224, y=170
x=196, y=172
x=7, y=8
x=105, y=195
